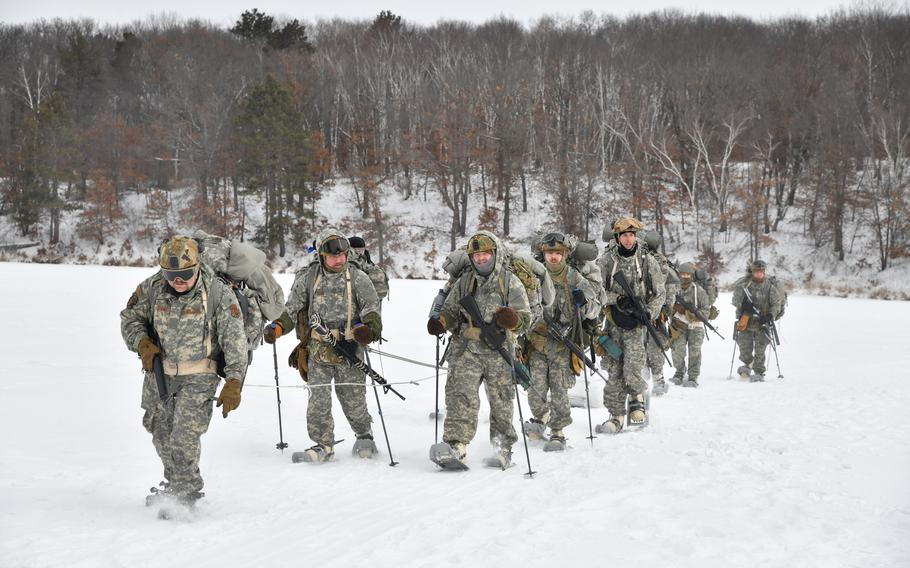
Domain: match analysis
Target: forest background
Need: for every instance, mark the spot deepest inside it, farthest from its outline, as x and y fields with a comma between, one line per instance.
x=785, y=139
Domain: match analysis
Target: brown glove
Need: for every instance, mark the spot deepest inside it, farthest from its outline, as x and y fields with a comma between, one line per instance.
x=147, y=352
x=679, y=309
x=506, y=317
x=229, y=397
x=363, y=334
x=435, y=326
x=272, y=332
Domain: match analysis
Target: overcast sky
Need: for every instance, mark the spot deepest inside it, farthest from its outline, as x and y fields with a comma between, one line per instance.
x=225, y=12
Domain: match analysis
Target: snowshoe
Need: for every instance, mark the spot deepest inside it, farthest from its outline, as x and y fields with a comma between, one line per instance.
x=744, y=371
x=157, y=494
x=611, y=426
x=690, y=383
x=364, y=447
x=180, y=507
x=449, y=457
x=660, y=389
x=556, y=443
x=501, y=459
x=535, y=429
x=757, y=378
x=637, y=414
x=316, y=454
x=676, y=380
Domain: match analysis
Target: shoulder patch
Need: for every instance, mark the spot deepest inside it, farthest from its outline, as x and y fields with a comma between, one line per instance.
x=134, y=299
x=235, y=310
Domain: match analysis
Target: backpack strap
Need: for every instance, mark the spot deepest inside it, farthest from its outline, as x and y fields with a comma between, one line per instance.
x=210, y=300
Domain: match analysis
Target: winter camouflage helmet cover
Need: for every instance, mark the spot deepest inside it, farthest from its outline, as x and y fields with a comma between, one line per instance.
x=686, y=268
x=651, y=238
x=758, y=265
x=555, y=242
x=481, y=242
x=627, y=225
x=332, y=241
x=179, y=258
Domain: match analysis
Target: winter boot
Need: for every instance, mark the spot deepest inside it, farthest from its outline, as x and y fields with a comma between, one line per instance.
x=535, y=429
x=158, y=494
x=557, y=442
x=637, y=413
x=501, y=459
x=316, y=454
x=660, y=388
x=691, y=383
x=677, y=380
x=449, y=456
x=364, y=447
x=611, y=426
x=757, y=378
x=744, y=371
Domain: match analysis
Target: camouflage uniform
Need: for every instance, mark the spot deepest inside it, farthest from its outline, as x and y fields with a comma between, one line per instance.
x=342, y=299
x=654, y=352
x=472, y=362
x=186, y=340
x=376, y=274
x=550, y=360
x=644, y=275
x=691, y=331
x=768, y=298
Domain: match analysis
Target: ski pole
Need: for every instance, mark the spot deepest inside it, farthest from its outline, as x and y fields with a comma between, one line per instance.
x=773, y=342
x=392, y=462
x=733, y=356
x=521, y=422
x=436, y=415
x=584, y=368
x=281, y=445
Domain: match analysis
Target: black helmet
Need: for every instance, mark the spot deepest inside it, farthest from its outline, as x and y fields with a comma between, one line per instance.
x=758, y=265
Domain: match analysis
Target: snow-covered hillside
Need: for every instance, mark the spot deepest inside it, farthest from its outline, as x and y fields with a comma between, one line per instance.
x=419, y=232
x=806, y=471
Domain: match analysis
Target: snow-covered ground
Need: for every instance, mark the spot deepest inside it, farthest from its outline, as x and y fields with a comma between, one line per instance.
x=810, y=470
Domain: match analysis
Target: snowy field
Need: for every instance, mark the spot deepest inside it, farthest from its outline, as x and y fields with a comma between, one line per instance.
x=811, y=470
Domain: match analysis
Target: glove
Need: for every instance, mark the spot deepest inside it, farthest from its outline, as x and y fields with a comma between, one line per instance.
x=229, y=397
x=147, y=352
x=363, y=334
x=272, y=332
x=578, y=297
x=506, y=317
x=763, y=319
x=679, y=309
x=625, y=303
x=435, y=326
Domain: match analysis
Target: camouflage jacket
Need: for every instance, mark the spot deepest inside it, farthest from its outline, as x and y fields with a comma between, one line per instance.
x=697, y=297
x=642, y=272
x=178, y=323
x=317, y=290
x=767, y=296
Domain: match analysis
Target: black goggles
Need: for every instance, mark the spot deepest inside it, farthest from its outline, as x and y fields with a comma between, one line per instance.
x=553, y=239
x=335, y=246
x=186, y=274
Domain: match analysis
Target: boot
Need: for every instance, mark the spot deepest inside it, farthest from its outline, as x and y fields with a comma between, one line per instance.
x=557, y=442
x=535, y=429
x=449, y=455
x=744, y=371
x=611, y=426
x=691, y=382
x=317, y=454
x=637, y=409
x=660, y=389
x=757, y=378
x=364, y=447
x=501, y=459
x=677, y=380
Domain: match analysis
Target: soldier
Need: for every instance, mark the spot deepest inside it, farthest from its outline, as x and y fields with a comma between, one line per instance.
x=654, y=351
x=503, y=301
x=345, y=299
x=768, y=300
x=188, y=318
x=689, y=331
x=551, y=362
x=644, y=275
x=360, y=256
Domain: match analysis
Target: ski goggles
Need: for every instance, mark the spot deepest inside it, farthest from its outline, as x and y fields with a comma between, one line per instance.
x=335, y=246
x=553, y=240
x=480, y=243
x=185, y=274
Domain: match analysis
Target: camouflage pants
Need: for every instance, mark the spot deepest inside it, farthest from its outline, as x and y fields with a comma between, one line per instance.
x=655, y=357
x=550, y=372
x=691, y=340
x=467, y=369
x=319, y=421
x=625, y=374
x=178, y=424
x=753, y=343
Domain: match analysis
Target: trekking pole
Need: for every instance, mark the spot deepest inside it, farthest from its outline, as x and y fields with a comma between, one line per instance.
x=521, y=422
x=281, y=445
x=774, y=342
x=392, y=462
x=436, y=415
x=584, y=368
x=733, y=356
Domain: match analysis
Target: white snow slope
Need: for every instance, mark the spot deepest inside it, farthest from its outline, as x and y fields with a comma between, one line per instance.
x=810, y=470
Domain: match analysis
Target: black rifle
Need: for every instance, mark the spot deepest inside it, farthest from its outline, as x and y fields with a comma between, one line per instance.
x=560, y=334
x=353, y=360
x=495, y=340
x=691, y=309
x=641, y=312
x=158, y=369
x=769, y=329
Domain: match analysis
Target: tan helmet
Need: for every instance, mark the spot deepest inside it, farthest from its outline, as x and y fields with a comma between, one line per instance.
x=555, y=242
x=480, y=243
x=687, y=268
x=179, y=258
x=627, y=225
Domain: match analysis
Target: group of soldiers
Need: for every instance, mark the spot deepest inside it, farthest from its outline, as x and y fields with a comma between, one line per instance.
x=511, y=320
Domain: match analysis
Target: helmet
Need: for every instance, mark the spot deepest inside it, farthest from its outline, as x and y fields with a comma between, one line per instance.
x=179, y=258
x=627, y=225
x=758, y=265
x=480, y=243
x=554, y=242
x=357, y=242
x=334, y=244
x=687, y=268
x=651, y=238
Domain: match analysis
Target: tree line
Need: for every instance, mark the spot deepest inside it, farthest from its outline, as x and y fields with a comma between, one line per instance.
x=723, y=124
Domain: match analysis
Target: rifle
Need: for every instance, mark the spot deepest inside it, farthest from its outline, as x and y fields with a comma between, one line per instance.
x=691, y=309
x=560, y=334
x=769, y=329
x=641, y=313
x=158, y=369
x=353, y=360
x=495, y=340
